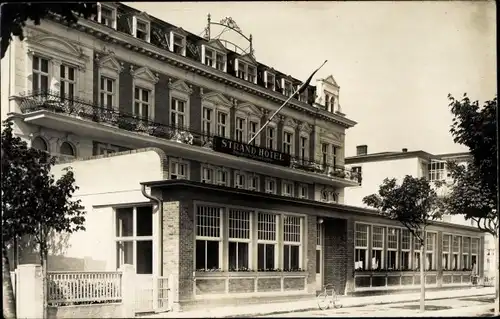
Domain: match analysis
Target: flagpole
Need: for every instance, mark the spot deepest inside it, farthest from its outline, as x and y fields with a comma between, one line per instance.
x=301, y=89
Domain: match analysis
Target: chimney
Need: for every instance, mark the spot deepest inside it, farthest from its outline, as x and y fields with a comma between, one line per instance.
x=405, y=150
x=361, y=150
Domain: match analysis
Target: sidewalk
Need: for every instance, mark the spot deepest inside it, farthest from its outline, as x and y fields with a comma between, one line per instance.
x=311, y=304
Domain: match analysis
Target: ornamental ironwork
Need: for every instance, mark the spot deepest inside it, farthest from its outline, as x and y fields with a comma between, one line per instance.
x=56, y=102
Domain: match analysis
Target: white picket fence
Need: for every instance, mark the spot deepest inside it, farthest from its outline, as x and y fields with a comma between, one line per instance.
x=70, y=288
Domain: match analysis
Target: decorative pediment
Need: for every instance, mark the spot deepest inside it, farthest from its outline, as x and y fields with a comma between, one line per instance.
x=145, y=73
x=56, y=43
x=305, y=127
x=250, y=109
x=290, y=122
x=109, y=61
x=331, y=80
x=180, y=31
x=217, y=45
x=331, y=135
x=248, y=58
x=143, y=16
x=180, y=86
x=217, y=99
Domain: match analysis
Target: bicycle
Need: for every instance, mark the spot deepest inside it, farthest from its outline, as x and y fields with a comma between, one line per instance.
x=326, y=299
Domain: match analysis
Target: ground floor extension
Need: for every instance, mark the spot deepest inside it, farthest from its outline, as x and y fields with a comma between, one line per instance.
x=223, y=243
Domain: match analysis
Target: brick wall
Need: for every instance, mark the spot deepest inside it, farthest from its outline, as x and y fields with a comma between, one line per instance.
x=335, y=253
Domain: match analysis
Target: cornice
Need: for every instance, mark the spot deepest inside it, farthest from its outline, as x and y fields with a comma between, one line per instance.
x=133, y=44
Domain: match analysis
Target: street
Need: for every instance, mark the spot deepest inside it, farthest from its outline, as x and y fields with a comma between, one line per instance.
x=462, y=306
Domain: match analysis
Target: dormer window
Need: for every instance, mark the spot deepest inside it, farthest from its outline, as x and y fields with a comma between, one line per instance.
x=106, y=15
x=269, y=80
x=246, y=71
x=302, y=96
x=327, y=102
x=215, y=59
x=287, y=87
x=141, y=29
x=179, y=44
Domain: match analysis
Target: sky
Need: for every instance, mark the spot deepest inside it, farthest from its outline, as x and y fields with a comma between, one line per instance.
x=395, y=62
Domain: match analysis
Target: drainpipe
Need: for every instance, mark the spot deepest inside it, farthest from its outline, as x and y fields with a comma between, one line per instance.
x=160, y=226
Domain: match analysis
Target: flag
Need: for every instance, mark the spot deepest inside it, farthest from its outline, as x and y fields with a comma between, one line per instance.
x=304, y=85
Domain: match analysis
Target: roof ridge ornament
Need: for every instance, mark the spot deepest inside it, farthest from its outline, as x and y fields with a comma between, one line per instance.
x=229, y=24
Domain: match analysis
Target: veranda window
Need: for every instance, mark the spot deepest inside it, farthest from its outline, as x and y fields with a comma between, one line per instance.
x=239, y=239
x=446, y=252
x=405, y=249
x=465, y=253
x=267, y=241
x=392, y=248
x=378, y=247
x=292, y=243
x=208, y=237
x=361, y=247
x=429, y=253
x=455, y=262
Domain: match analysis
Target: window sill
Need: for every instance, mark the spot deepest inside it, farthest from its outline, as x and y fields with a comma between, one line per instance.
x=249, y=274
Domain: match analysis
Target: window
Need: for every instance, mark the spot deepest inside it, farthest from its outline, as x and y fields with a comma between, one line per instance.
x=361, y=247
x=239, y=180
x=430, y=253
x=68, y=81
x=207, y=175
x=254, y=128
x=207, y=121
x=142, y=103
x=141, y=30
x=177, y=113
x=334, y=155
x=222, y=128
x=474, y=247
x=107, y=93
x=378, y=247
x=392, y=248
x=209, y=57
x=356, y=172
x=39, y=143
x=303, y=191
x=240, y=129
x=239, y=239
x=105, y=149
x=40, y=74
x=324, y=154
x=446, y=252
x=253, y=183
x=436, y=171
x=134, y=238
x=220, y=62
x=405, y=249
x=251, y=74
x=266, y=241
x=208, y=237
x=67, y=149
x=303, y=145
x=107, y=16
x=221, y=177
x=332, y=103
x=455, y=261
x=327, y=103
x=271, y=137
x=270, y=186
x=292, y=244
x=179, y=44
x=270, y=80
x=416, y=253
x=287, y=142
x=465, y=253
x=178, y=169
x=287, y=188
x=287, y=88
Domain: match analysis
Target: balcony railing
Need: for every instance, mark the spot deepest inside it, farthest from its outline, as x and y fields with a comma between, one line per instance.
x=54, y=102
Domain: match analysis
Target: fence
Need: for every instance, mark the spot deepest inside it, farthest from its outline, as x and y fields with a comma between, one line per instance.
x=76, y=288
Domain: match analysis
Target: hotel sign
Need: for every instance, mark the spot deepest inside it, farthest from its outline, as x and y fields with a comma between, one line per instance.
x=228, y=146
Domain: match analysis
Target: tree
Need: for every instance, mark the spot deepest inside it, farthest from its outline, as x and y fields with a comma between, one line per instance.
x=474, y=191
x=15, y=14
x=34, y=204
x=414, y=204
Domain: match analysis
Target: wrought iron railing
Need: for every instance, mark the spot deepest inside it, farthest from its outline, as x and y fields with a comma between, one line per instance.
x=53, y=101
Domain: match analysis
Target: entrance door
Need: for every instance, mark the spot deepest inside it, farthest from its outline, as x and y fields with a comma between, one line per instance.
x=319, y=256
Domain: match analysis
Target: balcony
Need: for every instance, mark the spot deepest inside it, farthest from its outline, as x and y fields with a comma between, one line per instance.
x=49, y=109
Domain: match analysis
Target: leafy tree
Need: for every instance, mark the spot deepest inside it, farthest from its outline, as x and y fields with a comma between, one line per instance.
x=414, y=204
x=15, y=14
x=34, y=204
x=474, y=190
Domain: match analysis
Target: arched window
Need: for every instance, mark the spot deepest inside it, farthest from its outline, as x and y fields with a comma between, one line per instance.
x=332, y=103
x=39, y=144
x=67, y=149
x=327, y=102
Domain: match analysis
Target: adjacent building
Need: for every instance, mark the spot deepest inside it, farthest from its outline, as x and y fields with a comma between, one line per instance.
x=375, y=167
x=155, y=122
